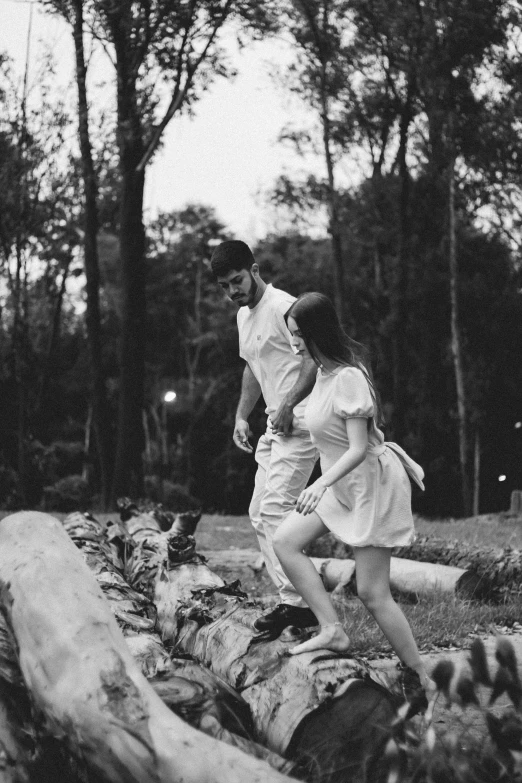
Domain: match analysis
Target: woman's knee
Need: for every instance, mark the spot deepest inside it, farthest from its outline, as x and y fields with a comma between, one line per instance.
x=283, y=541
x=372, y=595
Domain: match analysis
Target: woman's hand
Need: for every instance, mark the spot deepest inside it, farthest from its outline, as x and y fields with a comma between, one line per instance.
x=310, y=497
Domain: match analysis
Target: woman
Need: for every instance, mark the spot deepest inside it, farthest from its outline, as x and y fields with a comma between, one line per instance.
x=364, y=493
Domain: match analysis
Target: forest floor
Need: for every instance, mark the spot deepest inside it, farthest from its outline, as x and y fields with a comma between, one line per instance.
x=219, y=532
x=216, y=532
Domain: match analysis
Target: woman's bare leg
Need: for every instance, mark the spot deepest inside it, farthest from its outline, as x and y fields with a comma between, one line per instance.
x=292, y=536
x=372, y=566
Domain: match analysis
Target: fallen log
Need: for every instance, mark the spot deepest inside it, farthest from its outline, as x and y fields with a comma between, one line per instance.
x=82, y=676
x=492, y=573
x=189, y=689
x=497, y=572
x=319, y=709
x=16, y=749
x=28, y=754
x=409, y=577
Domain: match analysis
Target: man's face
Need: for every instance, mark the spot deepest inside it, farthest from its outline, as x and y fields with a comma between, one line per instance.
x=240, y=286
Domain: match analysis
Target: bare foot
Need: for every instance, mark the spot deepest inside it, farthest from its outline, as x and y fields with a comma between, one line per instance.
x=330, y=637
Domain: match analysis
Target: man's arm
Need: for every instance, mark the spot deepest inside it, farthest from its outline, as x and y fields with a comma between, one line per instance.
x=283, y=417
x=250, y=393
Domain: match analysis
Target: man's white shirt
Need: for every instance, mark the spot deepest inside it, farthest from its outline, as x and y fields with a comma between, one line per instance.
x=265, y=343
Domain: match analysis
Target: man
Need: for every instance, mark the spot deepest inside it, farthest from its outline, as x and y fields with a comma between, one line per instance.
x=285, y=455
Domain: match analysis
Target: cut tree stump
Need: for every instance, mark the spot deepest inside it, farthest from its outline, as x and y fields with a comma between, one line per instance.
x=188, y=688
x=319, y=708
x=81, y=674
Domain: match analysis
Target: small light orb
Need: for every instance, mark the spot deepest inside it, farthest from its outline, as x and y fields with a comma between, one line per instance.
x=170, y=396
x=518, y=425
x=502, y=478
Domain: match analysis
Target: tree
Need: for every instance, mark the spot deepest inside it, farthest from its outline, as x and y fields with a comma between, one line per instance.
x=415, y=106
x=165, y=55
x=100, y=407
x=321, y=66
x=188, y=326
x=37, y=252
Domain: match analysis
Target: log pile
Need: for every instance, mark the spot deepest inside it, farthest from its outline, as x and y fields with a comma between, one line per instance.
x=189, y=689
x=310, y=708
x=132, y=652
x=82, y=677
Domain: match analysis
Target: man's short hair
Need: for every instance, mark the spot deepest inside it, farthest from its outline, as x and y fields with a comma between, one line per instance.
x=231, y=256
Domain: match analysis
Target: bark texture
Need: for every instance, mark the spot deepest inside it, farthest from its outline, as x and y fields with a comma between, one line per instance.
x=189, y=689
x=82, y=676
x=15, y=749
x=100, y=406
x=457, y=350
x=292, y=698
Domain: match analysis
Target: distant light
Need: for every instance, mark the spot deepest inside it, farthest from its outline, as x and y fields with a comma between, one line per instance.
x=518, y=425
x=169, y=396
x=502, y=478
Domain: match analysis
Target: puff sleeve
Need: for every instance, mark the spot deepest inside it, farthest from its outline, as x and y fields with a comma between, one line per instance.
x=352, y=397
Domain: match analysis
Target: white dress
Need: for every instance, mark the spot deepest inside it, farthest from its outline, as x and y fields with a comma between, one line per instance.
x=371, y=505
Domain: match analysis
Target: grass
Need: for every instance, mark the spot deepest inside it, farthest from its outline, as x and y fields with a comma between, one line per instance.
x=487, y=530
x=437, y=621
x=225, y=532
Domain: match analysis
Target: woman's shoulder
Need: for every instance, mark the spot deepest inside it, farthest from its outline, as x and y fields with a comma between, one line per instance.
x=348, y=372
x=352, y=396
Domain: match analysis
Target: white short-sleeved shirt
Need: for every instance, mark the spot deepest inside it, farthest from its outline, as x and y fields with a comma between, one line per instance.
x=265, y=343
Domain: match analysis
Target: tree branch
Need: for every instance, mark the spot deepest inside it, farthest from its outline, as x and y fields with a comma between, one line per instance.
x=181, y=93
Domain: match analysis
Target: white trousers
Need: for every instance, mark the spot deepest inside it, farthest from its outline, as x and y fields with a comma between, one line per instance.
x=284, y=467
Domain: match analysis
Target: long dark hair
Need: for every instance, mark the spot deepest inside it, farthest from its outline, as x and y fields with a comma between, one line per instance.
x=324, y=335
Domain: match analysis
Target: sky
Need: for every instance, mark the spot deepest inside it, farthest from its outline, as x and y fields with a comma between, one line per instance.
x=226, y=157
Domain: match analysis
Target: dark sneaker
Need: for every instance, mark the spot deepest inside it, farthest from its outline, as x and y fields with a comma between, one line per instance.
x=412, y=691
x=283, y=616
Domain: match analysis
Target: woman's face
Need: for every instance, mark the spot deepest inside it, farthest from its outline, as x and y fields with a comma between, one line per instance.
x=297, y=341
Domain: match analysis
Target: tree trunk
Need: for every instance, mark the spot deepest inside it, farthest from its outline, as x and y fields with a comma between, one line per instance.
x=19, y=348
x=188, y=689
x=100, y=405
x=45, y=377
x=400, y=285
x=128, y=471
x=316, y=704
x=128, y=468
x=476, y=474
x=83, y=677
x=456, y=346
x=334, y=227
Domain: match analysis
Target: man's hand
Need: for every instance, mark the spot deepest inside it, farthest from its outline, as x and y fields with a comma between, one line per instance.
x=310, y=497
x=282, y=420
x=241, y=434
